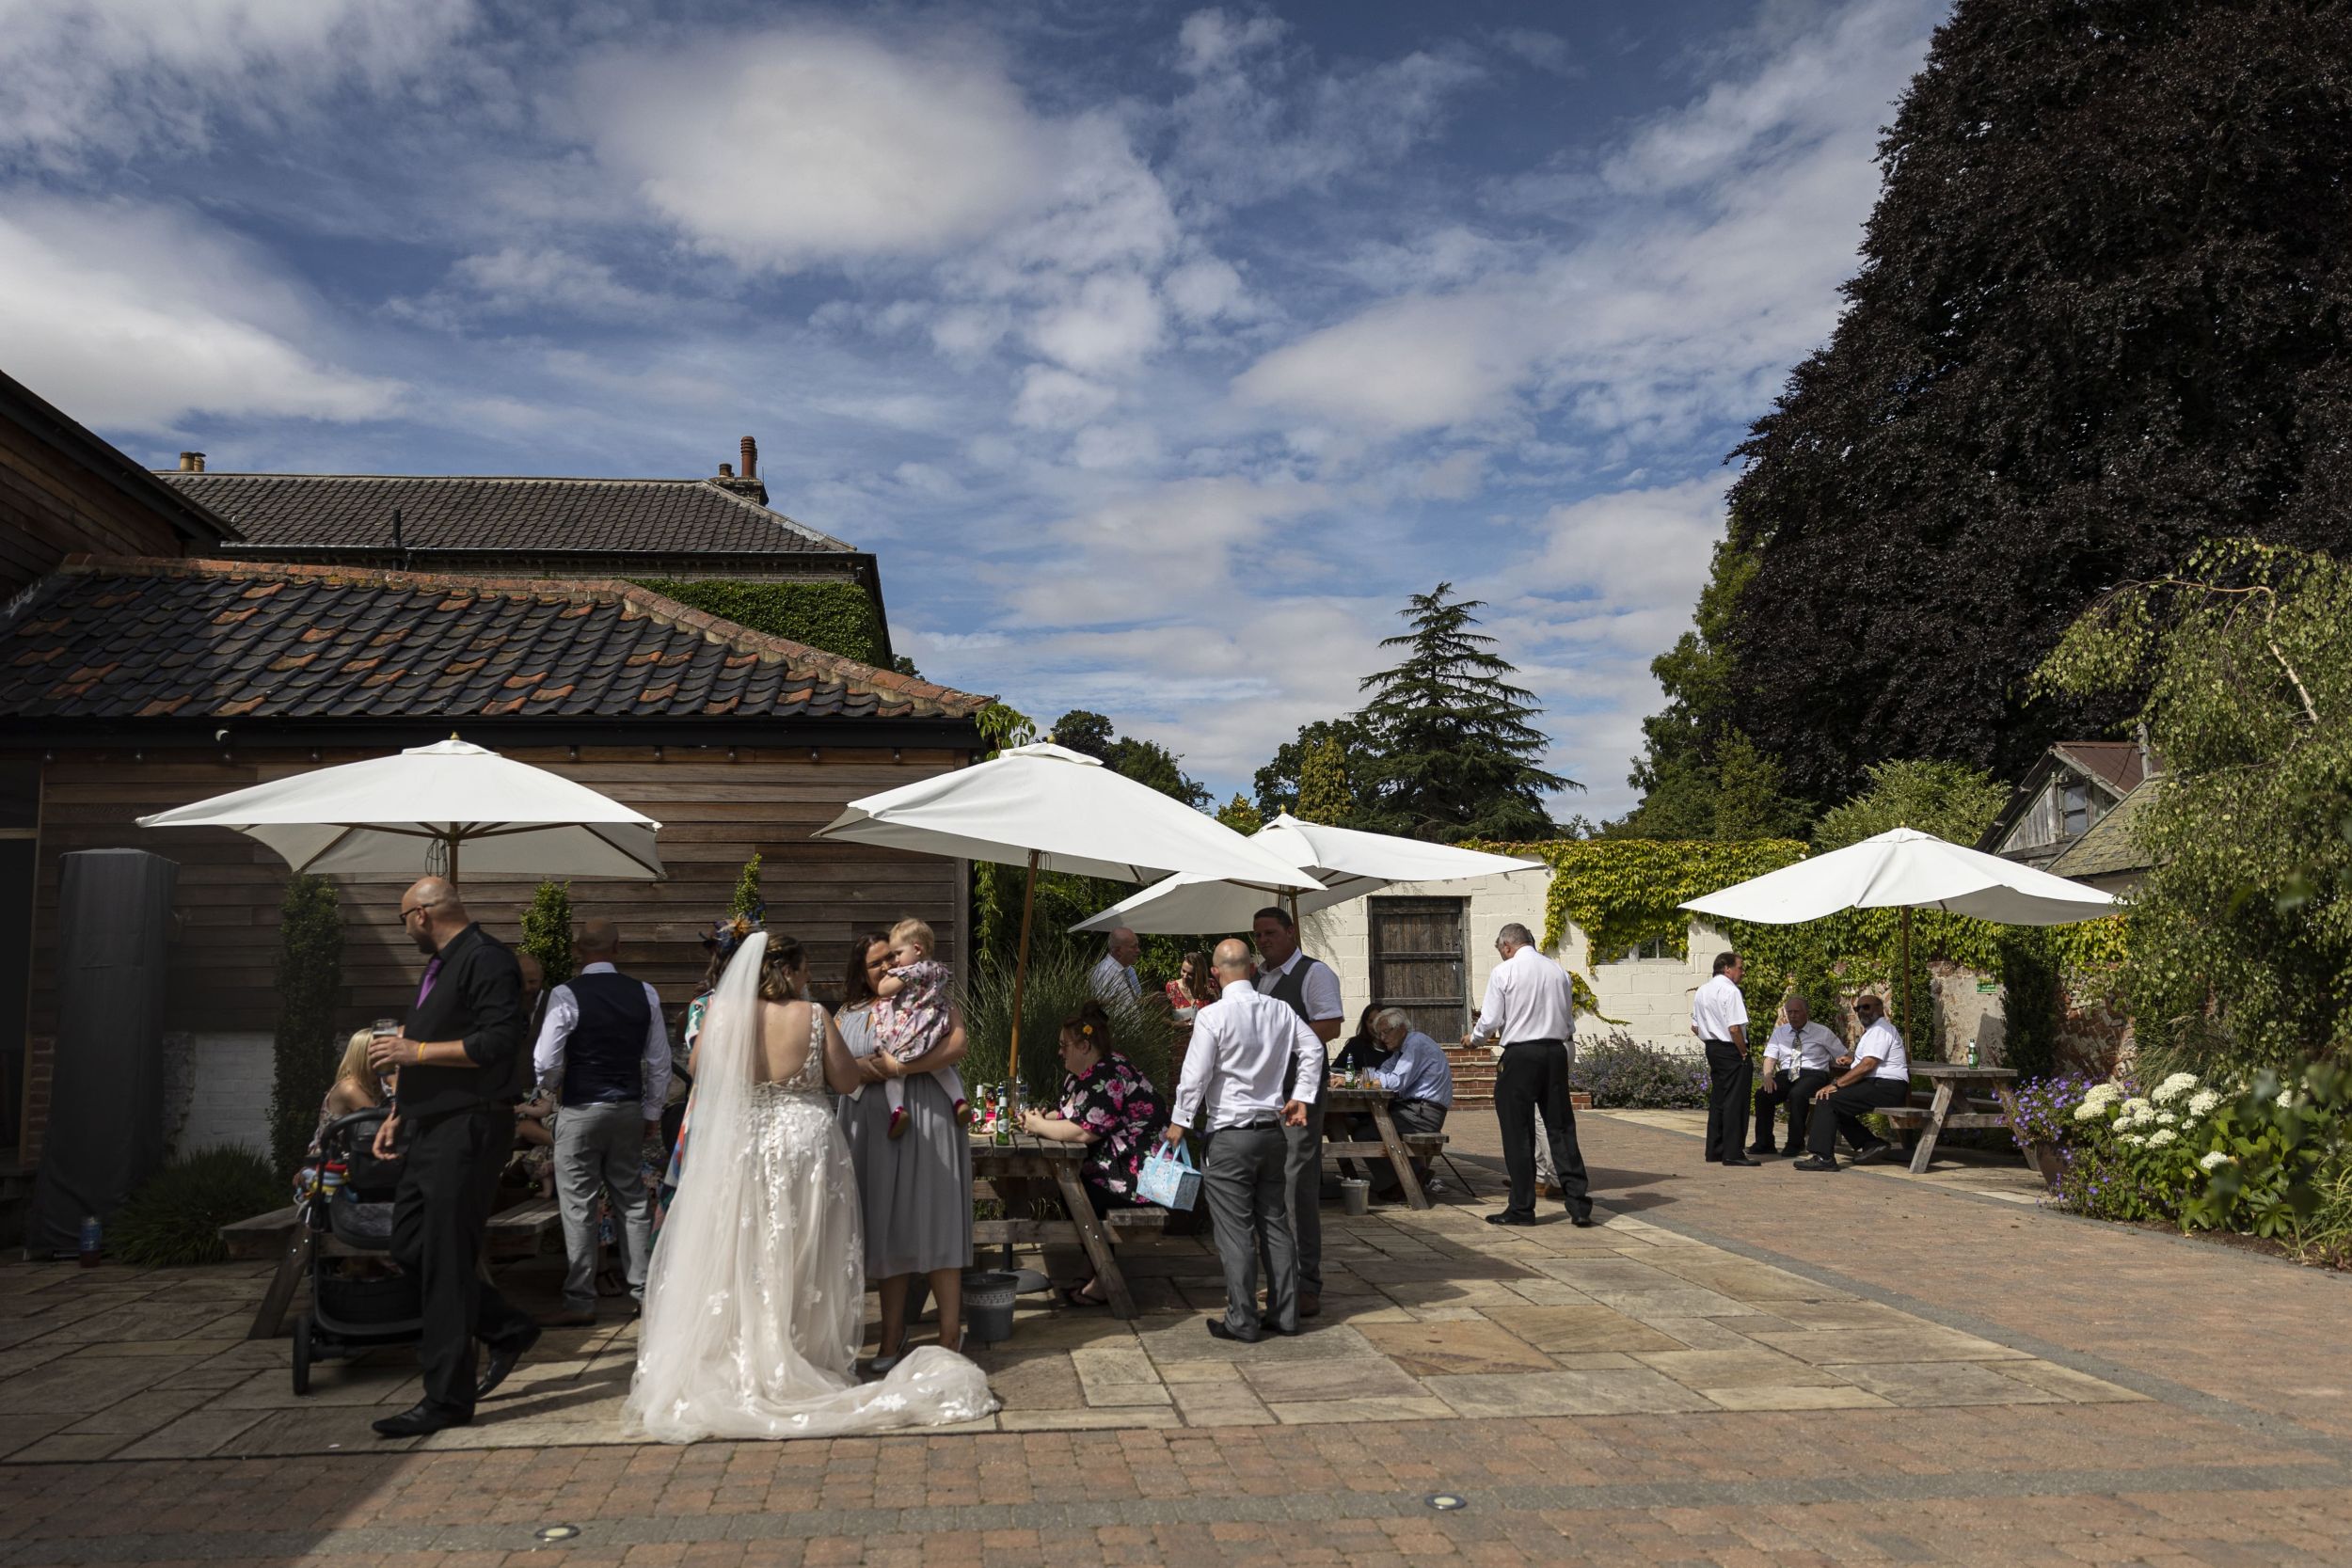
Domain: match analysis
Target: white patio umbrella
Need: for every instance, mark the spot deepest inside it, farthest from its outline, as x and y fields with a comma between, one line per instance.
x=401, y=814
x=1348, y=861
x=1906, y=869
x=1051, y=809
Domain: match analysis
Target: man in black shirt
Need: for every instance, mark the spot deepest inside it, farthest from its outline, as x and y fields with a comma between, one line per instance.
x=462, y=1066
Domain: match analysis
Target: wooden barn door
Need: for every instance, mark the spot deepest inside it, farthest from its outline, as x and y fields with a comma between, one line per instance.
x=1419, y=962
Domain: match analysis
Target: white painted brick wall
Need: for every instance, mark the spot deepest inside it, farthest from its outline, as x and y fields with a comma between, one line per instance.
x=219, y=1093
x=1651, y=995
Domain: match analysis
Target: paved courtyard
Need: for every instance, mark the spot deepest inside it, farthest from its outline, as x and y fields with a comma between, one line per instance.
x=1740, y=1368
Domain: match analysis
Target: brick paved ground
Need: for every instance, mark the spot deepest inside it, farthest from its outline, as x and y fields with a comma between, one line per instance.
x=2239, y=1453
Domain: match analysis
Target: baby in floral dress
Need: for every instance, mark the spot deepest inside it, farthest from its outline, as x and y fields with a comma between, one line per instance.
x=911, y=1018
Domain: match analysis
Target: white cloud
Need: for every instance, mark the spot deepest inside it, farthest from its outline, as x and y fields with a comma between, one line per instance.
x=1109, y=325
x=1632, y=550
x=811, y=145
x=1247, y=132
x=1206, y=289
x=1714, y=239
x=1143, y=551
x=109, y=78
x=138, y=317
x=1057, y=399
x=514, y=279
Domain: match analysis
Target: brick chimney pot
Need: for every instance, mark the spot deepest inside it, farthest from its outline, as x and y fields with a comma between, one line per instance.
x=750, y=458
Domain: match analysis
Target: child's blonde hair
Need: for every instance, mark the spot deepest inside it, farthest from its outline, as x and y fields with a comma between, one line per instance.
x=914, y=933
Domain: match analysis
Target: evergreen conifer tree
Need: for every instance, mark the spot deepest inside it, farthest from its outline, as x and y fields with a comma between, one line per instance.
x=1453, y=753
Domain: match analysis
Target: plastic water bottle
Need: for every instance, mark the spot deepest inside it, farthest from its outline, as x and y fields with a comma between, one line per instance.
x=1971, y=1052
x=90, y=1238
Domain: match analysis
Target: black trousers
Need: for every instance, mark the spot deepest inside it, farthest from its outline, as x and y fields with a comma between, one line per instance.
x=1796, y=1092
x=1730, y=1078
x=1533, y=1077
x=439, y=1212
x=1842, y=1112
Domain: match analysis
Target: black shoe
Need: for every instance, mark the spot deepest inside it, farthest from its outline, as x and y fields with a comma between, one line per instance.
x=1507, y=1217
x=1582, y=1221
x=1267, y=1325
x=1767, y=1151
x=1871, y=1153
x=502, y=1359
x=420, y=1420
x=1815, y=1163
x=1796, y=1153
x=1218, y=1331
x=1742, y=1161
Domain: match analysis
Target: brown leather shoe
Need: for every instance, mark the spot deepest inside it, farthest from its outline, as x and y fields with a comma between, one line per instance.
x=1310, y=1305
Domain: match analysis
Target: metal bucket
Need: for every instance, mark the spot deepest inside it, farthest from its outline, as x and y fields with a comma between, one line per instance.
x=1356, y=1195
x=988, y=1298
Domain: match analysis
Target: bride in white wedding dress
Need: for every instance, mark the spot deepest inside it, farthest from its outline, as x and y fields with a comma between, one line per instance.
x=755, y=1299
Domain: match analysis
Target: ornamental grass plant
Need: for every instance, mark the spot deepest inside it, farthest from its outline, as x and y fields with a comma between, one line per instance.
x=1058, y=987
x=173, y=1220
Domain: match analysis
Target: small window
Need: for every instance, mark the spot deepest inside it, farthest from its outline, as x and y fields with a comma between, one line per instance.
x=1655, y=948
x=2077, y=816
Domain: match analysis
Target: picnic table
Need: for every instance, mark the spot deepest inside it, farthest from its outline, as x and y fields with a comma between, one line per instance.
x=1954, y=1084
x=528, y=1229
x=1030, y=1168
x=1340, y=1105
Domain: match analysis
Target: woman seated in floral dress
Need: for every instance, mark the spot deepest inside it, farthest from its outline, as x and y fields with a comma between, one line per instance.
x=1109, y=1106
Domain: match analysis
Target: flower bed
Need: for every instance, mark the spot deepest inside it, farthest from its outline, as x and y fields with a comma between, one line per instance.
x=2267, y=1160
x=1622, y=1073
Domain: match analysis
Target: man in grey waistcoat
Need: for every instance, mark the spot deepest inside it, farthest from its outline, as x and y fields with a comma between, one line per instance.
x=1310, y=988
x=1246, y=1049
x=605, y=1053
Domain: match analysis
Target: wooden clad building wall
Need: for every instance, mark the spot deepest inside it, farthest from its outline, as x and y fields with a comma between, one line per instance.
x=51, y=507
x=714, y=814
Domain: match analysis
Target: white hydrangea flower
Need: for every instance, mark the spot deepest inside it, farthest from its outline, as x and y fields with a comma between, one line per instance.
x=2131, y=1140
x=2173, y=1088
x=2089, y=1110
x=2286, y=1100
x=2203, y=1102
x=2216, y=1161
x=2162, y=1136
x=2102, y=1093
x=2169, y=1119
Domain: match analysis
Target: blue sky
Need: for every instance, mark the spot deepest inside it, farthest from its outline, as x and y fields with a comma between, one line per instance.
x=1159, y=350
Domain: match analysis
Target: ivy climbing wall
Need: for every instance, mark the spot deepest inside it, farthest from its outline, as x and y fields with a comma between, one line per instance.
x=838, y=617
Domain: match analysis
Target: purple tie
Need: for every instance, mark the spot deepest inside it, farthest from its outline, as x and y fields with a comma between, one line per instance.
x=425, y=988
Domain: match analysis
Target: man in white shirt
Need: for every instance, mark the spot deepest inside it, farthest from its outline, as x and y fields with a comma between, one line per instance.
x=1113, y=979
x=1312, y=991
x=1718, y=1017
x=604, y=1053
x=1529, y=1009
x=1246, y=1047
x=1879, y=1078
x=1800, y=1056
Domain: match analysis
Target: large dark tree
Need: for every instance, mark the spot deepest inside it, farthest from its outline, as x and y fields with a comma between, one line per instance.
x=2102, y=314
x=1453, y=755
x=1275, y=784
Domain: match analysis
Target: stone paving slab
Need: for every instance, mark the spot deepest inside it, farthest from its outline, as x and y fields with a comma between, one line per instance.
x=1428, y=1316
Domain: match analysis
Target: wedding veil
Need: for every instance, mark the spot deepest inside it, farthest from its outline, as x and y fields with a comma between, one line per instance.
x=753, y=1293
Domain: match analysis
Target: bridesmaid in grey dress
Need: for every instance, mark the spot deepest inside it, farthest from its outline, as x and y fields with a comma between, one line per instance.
x=915, y=1189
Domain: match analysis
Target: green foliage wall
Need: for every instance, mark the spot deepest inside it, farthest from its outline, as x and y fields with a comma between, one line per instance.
x=310, y=989
x=838, y=617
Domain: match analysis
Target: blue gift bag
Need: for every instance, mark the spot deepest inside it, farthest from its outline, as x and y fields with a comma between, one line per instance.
x=1168, y=1178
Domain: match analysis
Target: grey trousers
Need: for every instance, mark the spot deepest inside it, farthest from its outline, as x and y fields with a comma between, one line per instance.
x=1302, y=1176
x=601, y=1146
x=1246, y=1189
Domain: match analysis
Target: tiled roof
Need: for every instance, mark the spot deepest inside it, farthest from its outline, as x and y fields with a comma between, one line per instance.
x=2114, y=762
x=636, y=516
x=128, y=639
x=2110, y=845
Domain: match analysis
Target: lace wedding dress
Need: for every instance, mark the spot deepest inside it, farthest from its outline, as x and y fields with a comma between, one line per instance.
x=756, y=1297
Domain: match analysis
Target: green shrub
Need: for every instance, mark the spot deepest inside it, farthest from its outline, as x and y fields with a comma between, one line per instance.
x=173, y=1220
x=310, y=988
x=2029, y=983
x=1056, y=988
x=548, y=931
x=838, y=617
x=1621, y=1074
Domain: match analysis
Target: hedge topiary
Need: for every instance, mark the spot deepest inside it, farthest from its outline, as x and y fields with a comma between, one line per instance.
x=310, y=989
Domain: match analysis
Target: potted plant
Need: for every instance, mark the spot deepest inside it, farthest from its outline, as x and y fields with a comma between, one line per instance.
x=2040, y=1113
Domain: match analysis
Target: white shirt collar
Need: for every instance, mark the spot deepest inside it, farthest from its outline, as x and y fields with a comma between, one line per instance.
x=599, y=967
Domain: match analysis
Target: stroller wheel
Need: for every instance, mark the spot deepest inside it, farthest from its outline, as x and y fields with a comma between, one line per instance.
x=302, y=1355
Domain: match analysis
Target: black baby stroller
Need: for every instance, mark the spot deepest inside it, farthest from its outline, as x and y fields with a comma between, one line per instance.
x=359, y=1301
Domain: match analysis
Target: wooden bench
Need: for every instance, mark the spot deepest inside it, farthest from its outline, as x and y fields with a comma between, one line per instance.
x=1957, y=1097
x=532, y=1230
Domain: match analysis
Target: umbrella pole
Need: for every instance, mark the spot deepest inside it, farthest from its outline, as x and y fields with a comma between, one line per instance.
x=1020, y=986
x=1910, y=1042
